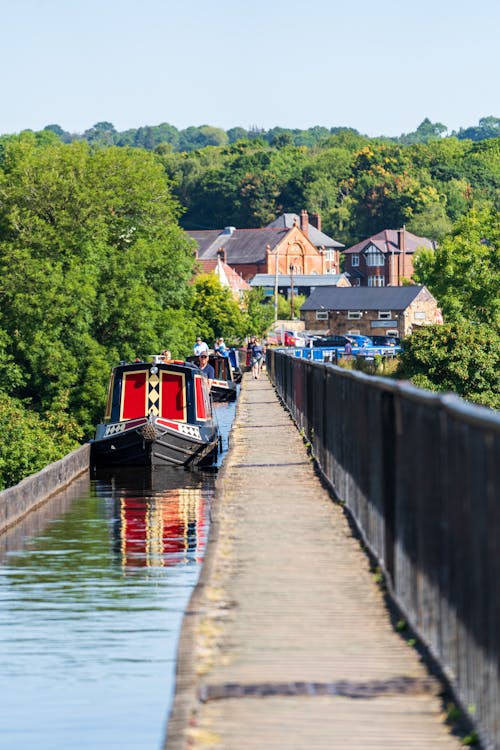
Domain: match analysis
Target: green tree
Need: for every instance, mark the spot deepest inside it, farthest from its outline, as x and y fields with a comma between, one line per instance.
x=463, y=273
x=29, y=442
x=259, y=313
x=488, y=127
x=215, y=311
x=459, y=357
x=91, y=257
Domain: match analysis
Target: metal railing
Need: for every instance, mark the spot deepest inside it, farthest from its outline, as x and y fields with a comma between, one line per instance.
x=420, y=474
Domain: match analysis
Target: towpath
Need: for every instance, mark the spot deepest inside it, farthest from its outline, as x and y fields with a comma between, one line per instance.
x=287, y=642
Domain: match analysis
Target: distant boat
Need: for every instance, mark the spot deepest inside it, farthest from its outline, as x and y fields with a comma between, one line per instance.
x=224, y=384
x=156, y=414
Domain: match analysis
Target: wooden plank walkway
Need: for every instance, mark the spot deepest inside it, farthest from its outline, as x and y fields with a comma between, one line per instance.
x=287, y=642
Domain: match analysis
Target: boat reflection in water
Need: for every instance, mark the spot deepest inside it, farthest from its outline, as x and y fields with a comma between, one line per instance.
x=159, y=516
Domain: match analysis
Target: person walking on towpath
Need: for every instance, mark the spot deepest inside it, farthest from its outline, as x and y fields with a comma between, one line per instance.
x=257, y=358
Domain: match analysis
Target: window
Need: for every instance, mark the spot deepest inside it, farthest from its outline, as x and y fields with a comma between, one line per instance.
x=374, y=257
x=355, y=282
x=355, y=260
x=321, y=314
x=330, y=255
x=419, y=316
x=376, y=281
x=354, y=314
x=384, y=315
x=392, y=332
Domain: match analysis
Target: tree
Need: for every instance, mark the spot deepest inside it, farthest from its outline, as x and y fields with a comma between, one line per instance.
x=102, y=133
x=463, y=273
x=488, y=127
x=215, y=310
x=460, y=357
x=426, y=131
x=91, y=258
x=62, y=134
x=29, y=441
x=259, y=313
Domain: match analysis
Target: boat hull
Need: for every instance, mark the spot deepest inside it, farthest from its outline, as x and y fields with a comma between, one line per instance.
x=224, y=390
x=154, y=444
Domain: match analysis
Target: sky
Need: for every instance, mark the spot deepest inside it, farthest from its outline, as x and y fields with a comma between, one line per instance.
x=379, y=67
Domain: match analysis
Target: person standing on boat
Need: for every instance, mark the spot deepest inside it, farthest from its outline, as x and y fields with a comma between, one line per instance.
x=200, y=346
x=220, y=348
x=257, y=357
x=206, y=368
x=166, y=356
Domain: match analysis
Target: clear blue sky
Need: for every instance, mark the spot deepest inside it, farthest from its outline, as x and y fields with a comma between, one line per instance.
x=380, y=67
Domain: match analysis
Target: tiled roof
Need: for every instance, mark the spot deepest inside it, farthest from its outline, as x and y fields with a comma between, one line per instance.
x=387, y=241
x=204, y=238
x=240, y=245
x=363, y=298
x=310, y=279
x=316, y=236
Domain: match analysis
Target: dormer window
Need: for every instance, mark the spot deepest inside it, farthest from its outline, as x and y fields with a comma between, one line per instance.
x=374, y=257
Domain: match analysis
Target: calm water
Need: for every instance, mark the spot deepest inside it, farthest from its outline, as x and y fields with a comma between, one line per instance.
x=92, y=591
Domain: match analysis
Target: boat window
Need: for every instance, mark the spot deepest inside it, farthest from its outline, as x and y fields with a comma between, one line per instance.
x=201, y=397
x=134, y=398
x=109, y=401
x=173, y=396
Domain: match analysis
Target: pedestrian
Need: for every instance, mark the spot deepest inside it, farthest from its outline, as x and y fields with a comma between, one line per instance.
x=348, y=350
x=200, y=346
x=248, y=360
x=206, y=368
x=257, y=358
x=166, y=356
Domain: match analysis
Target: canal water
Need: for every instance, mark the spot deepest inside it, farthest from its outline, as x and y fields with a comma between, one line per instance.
x=93, y=587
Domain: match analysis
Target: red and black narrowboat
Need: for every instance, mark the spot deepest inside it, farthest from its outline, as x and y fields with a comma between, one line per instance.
x=156, y=414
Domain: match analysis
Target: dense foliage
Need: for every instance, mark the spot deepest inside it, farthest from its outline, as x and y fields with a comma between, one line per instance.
x=358, y=186
x=192, y=138
x=29, y=441
x=93, y=266
x=462, y=358
x=463, y=273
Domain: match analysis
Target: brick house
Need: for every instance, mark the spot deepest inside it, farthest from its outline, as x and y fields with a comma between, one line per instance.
x=385, y=259
x=394, y=310
x=277, y=248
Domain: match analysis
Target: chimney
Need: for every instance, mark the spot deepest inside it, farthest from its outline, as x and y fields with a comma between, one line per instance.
x=316, y=220
x=402, y=248
x=401, y=238
x=221, y=254
x=304, y=222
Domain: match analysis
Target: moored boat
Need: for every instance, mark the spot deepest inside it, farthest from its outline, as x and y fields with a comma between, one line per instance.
x=157, y=414
x=224, y=384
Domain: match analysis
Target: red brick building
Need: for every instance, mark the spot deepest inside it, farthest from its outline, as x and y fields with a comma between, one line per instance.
x=385, y=259
x=286, y=244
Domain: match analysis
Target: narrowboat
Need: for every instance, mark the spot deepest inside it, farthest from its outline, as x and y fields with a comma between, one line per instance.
x=224, y=385
x=157, y=414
